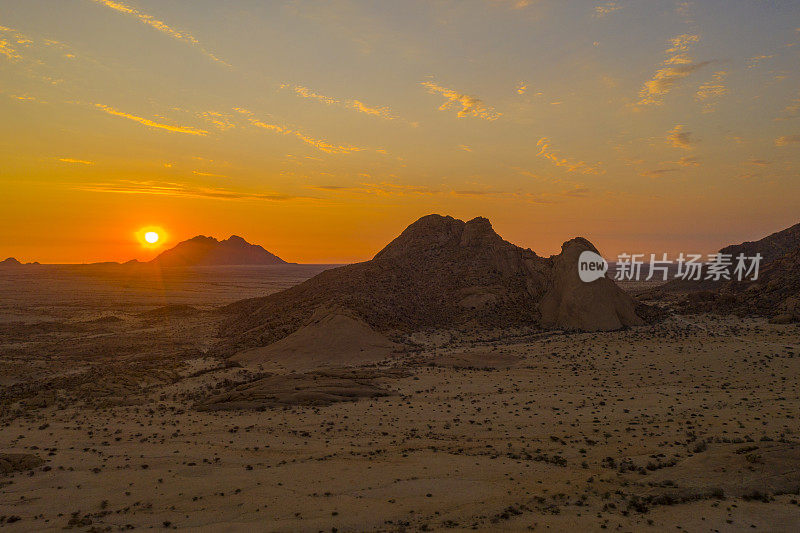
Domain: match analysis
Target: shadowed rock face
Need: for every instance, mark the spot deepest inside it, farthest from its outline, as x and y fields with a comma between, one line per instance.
x=775, y=294
x=572, y=304
x=770, y=247
x=207, y=251
x=442, y=272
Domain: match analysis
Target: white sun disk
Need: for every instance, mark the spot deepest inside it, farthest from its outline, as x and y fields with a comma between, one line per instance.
x=151, y=237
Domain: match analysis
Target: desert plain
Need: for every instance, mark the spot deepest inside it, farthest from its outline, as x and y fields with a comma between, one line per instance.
x=117, y=414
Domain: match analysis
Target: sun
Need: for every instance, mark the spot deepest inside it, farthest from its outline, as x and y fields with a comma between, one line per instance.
x=151, y=237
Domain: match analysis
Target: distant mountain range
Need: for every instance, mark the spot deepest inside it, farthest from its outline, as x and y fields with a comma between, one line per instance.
x=208, y=251
x=197, y=251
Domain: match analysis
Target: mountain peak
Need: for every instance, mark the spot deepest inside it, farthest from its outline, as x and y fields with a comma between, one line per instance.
x=436, y=232
x=235, y=239
x=206, y=251
x=11, y=261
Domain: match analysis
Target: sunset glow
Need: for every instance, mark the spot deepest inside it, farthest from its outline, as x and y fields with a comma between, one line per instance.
x=642, y=126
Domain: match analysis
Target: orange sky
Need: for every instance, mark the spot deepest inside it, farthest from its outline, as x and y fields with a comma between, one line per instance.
x=321, y=130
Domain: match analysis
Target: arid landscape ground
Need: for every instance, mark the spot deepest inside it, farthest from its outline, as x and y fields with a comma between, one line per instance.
x=119, y=412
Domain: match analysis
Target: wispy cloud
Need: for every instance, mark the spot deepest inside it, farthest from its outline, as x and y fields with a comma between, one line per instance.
x=9, y=51
x=677, y=66
x=687, y=162
x=604, y=9
x=756, y=60
x=208, y=174
x=23, y=98
x=657, y=173
x=76, y=161
x=513, y=4
x=159, y=25
x=383, y=188
x=221, y=121
x=791, y=110
x=786, y=140
x=357, y=105
x=711, y=91
x=679, y=138
x=179, y=190
x=470, y=105
x=150, y=123
x=571, y=165
x=320, y=144
x=15, y=46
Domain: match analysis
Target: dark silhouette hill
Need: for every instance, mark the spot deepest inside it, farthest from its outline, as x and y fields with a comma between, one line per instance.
x=10, y=262
x=770, y=247
x=440, y=273
x=775, y=294
x=207, y=251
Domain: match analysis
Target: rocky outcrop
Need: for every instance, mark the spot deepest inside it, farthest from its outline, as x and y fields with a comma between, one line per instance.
x=573, y=304
x=442, y=272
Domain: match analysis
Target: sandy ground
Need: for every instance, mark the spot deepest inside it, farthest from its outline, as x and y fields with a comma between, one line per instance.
x=689, y=425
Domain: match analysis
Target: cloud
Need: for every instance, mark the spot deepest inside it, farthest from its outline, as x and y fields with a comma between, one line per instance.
x=9, y=51
x=754, y=61
x=320, y=144
x=679, y=138
x=687, y=162
x=208, y=174
x=602, y=10
x=470, y=105
x=357, y=105
x=76, y=161
x=677, y=66
x=571, y=165
x=786, y=140
x=381, y=189
x=709, y=92
x=657, y=173
x=305, y=92
x=24, y=98
x=221, y=121
x=159, y=25
x=791, y=110
x=15, y=46
x=382, y=112
x=557, y=197
x=147, y=122
x=178, y=190
x=514, y=4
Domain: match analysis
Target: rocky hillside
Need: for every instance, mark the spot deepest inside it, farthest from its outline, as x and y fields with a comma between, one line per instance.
x=771, y=247
x=442, y=272
x=775, y=294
